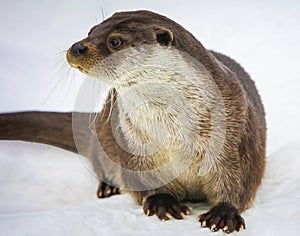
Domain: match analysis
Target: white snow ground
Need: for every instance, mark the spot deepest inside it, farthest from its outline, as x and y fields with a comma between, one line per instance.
x=48, y=191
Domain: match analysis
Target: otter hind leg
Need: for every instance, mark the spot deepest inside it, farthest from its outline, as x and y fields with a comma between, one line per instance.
x=165, y=206
x=223, y=216
x=105, y=190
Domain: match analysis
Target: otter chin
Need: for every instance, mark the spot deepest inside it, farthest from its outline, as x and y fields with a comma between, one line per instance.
x=187, y=123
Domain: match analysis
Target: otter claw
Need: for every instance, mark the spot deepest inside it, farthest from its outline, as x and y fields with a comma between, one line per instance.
x=213, y=228
x=223, y=216
x=165, y=206
x=168, y=215
x=106, y=190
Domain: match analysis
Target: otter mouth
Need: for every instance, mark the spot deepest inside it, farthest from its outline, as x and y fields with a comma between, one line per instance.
x=81, y=69
x=76, y=66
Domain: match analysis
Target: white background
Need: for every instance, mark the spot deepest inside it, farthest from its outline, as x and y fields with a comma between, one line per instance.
x=47, y=191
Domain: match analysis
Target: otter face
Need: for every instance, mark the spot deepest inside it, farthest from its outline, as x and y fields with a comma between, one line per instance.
x=121, y=31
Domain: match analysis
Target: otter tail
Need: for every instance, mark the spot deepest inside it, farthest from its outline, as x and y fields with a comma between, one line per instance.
x=41, y=127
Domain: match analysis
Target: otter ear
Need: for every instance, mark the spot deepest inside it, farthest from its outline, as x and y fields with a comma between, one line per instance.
x=164, y=36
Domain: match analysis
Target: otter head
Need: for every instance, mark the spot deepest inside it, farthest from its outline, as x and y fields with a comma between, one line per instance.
x=120, y=31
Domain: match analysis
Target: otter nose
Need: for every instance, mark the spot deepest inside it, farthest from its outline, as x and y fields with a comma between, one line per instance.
x=78, y=49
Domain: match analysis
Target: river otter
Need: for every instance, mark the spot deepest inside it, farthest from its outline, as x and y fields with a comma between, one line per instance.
x=186, y=167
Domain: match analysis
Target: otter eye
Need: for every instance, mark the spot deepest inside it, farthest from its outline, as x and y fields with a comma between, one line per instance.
x=115, y=43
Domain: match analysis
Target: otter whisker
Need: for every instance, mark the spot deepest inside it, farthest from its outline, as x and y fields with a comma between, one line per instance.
x=112, y=103
x=92, y=122
x=63, y=66
x=72, y=81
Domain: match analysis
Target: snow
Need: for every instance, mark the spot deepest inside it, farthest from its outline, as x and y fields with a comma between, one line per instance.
x=48, y=191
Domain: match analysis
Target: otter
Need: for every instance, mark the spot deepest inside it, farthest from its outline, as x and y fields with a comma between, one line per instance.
x=181, y=163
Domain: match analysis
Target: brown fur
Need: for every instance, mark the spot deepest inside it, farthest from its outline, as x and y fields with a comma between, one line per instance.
x=238, y=176
x=54, y=128
x=235, y=179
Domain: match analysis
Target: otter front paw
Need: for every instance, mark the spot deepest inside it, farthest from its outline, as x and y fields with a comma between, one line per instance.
x=105, y=190
x=165, y=206
x=223, y=216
